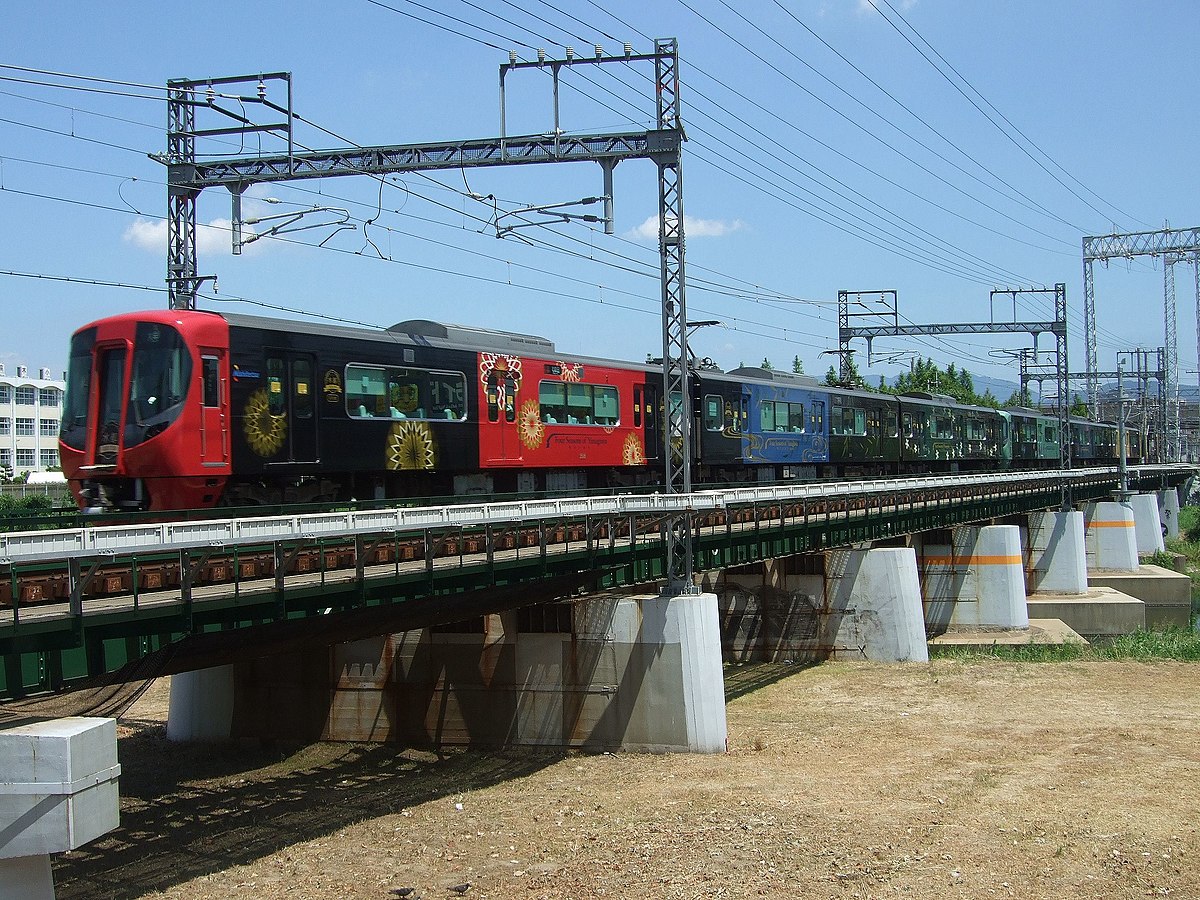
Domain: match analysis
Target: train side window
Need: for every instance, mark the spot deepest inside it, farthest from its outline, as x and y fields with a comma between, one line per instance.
x=766, y=416
x=860, y=422
x=712, y=412
x=796, y=417
x=637, y=406
x=446, y=392
x=493, y=396
x=579, y=404
x=210, y=373
x=606, y=406
x=552, y=397
x=302, y=398
x=275, y=399
x=872, y=422
x=366, y=391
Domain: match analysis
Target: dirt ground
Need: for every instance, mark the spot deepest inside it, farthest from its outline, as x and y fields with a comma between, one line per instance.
x=948, y=780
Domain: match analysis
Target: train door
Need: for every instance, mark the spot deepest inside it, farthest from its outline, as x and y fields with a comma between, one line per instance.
x=290, y=393
x=110, y=369
x=503, y=444
x=214, y=430
x=646, y=413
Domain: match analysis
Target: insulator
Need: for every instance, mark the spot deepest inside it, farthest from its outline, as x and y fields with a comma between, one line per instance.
x=541, y=54
x=628, y=49
x=599, y=51
x=512, y=56
x=210, y=94
x=570, y=53
x=262, y=90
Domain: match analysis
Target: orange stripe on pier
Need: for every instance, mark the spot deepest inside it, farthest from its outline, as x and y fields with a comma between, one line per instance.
x=973, y=560
x=1119, y=524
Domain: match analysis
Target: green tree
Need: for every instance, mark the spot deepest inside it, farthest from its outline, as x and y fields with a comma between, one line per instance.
x=766, y=364
x=797, y=365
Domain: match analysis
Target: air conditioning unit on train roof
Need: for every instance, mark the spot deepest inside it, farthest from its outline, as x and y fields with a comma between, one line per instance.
x=471, y=336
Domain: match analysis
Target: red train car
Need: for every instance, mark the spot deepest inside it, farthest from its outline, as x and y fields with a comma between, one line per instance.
x=185, y=409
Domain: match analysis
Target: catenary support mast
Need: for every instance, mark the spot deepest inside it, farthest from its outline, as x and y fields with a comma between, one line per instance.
x=187, y=178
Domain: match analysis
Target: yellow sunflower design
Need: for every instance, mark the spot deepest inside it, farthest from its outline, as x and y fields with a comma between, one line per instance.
x=264, y=430
x=410, y=445
x=632, y=453
x=529, y=425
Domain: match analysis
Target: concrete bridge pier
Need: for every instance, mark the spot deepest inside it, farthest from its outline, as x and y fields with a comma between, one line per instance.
x=201, y=705
x=612, y=671
x=1147, y=526
x=1056, y=553
x=875, y=606
x=978, y=581
x=1168, y=511
x=1109, y=538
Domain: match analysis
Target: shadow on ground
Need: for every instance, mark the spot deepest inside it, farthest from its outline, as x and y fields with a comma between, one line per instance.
x=187, y=810
x=745, y=678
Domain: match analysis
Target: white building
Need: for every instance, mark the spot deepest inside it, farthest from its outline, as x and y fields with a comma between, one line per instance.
x=30, y=410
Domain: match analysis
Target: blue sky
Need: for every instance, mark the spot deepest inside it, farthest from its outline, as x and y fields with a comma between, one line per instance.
x=801, y=175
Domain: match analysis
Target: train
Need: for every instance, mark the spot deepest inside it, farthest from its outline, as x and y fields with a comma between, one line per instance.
x=193, y=409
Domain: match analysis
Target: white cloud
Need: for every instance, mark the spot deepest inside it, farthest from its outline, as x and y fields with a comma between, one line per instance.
x=868, y=6
x=214, y=238
x=648, y=230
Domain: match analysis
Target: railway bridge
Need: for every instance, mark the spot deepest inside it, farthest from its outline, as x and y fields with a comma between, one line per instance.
x=268, y=613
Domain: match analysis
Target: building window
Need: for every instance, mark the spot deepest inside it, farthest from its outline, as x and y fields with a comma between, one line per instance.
x=25, y=396
x=5, y=393
x=5, y=456
x=5, y=426
x=48, y=427
x=24, y=457
x=48, y=459
x=49, y=396
x=24, y=426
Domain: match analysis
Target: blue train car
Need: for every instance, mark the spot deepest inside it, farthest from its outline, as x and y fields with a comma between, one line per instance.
x=786, y=431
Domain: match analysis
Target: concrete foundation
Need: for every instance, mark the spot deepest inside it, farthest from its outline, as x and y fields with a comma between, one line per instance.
x=58, y=791
x=1167, y=594
x=1168, y=511
x=1100, y=613
x=977, y=581
x=26, y=878
x=1056, y=558
x=875, y=603
x=1040, y=631
x=1109, y=538
x=1147, y=526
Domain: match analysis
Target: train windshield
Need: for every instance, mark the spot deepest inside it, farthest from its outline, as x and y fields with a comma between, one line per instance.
x=73, y=430
x=162, y=368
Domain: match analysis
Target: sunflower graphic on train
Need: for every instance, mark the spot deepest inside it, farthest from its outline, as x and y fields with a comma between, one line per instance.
x=265, y=429
x=411, y=445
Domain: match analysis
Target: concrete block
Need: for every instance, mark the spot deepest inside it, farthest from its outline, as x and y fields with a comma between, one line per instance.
x=979, y=581
x=60, y=785
x=1101, y=612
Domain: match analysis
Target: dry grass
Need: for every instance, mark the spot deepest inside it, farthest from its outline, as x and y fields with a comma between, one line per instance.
x=949, y=780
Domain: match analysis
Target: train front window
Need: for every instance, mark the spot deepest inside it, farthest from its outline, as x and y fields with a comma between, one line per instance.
x=73, y=431
x=158, y=385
